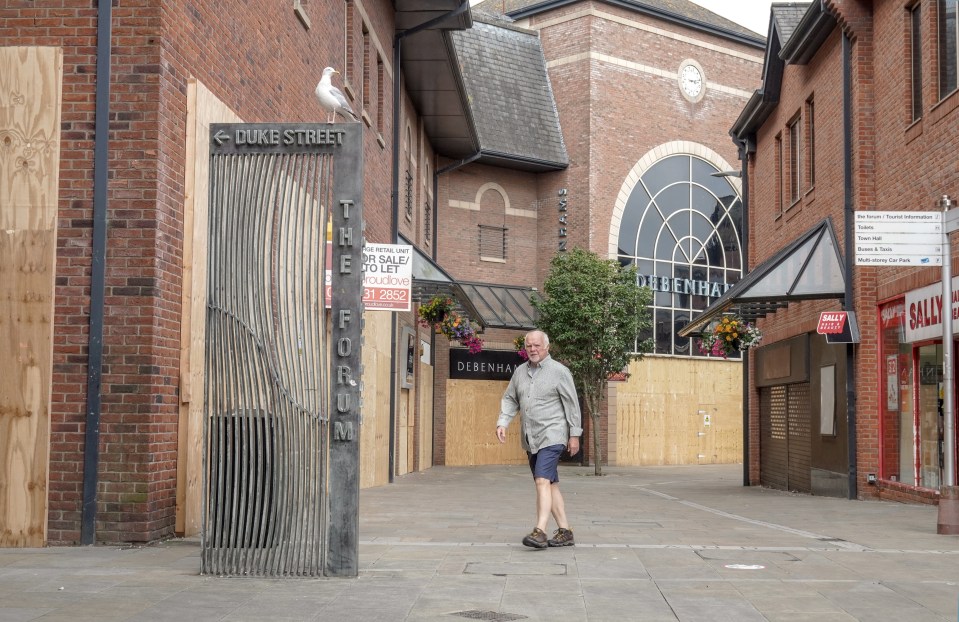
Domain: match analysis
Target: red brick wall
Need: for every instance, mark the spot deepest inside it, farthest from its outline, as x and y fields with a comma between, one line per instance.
x=264, y=65
x=458, y=237
x=896, y=165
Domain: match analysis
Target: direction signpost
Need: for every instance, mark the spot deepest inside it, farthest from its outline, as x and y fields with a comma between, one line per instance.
x=899, y=238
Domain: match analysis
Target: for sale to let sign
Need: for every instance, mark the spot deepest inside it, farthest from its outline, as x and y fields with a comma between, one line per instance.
x=387, y=276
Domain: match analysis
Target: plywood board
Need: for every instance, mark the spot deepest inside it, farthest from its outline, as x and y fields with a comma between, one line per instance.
x=472, y=407
x=679, y=411
x=375, y=426
x=30, y=101
x=411, y=430
x=203, y=109
x=402, y=433
x=424, y=394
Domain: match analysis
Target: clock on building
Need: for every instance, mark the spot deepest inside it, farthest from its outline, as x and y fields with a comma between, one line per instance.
x=691, y=80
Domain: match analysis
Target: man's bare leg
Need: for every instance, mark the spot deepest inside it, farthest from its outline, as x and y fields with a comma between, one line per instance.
x=544, y=502
x=557, y=506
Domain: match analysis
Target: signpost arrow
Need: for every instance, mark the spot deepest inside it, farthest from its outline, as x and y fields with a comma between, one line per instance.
x=951, y=221
x=221, y=137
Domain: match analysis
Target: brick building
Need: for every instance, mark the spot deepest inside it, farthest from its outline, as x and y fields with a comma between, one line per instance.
x=100, y=207
x=845, y=125
x=645, y=92
x=486, y=165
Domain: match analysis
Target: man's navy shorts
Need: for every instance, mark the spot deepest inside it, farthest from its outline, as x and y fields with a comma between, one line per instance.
x=544, y=463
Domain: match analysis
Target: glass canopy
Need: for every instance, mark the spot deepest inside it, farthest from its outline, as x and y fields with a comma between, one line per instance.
x=809, y=268
x=491, y=306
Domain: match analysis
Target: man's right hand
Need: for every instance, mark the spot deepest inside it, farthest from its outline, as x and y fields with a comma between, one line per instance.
x=501, y=433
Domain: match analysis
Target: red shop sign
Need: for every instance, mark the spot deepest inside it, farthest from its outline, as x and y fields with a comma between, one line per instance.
x=831, y=322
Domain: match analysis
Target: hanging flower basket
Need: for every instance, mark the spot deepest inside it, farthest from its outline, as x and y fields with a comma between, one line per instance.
x=439, y=315
x=520, y=344
x=731, y=334
x=435, y=311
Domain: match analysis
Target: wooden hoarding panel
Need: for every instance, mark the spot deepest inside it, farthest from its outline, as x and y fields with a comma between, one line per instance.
x=203, y=108
x=678, y=411
x=472, y=407
x=30, y=100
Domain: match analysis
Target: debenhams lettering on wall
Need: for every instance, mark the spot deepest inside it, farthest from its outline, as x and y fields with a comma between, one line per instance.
x=677, y=285
x=487, y=368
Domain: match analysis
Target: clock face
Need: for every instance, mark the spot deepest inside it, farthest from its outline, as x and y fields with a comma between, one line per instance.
x=691, y=80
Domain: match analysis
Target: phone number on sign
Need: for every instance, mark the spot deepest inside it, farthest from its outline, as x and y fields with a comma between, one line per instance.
x=385, y=297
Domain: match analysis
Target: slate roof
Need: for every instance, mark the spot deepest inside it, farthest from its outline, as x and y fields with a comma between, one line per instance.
x=510, y=98
x=786, y=17
x=684, y=10
x=796, y=32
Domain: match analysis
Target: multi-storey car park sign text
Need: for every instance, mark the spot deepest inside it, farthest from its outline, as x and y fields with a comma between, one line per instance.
x=898, y=238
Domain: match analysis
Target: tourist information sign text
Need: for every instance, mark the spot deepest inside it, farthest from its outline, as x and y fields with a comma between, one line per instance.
x=898, y=238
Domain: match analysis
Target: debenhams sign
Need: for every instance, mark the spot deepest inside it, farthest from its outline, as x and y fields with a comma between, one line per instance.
x=676, y=285
x=485, y=365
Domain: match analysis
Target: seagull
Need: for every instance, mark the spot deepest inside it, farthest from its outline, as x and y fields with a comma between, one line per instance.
x=332, y=99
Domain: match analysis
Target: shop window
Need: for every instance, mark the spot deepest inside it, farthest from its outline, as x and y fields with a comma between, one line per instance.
x=948, y=40
x=928, y=420
x=911, y=404
x=915, y=61
x=896, y=400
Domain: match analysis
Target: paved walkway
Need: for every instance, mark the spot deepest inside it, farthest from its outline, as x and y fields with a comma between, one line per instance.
x=659, y=543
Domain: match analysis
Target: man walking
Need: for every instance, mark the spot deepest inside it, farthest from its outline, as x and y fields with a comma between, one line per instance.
x=544, y=390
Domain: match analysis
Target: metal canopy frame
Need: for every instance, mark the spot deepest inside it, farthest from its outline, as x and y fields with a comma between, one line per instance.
x=489, y=305
x=810, y=268
x=431, y=72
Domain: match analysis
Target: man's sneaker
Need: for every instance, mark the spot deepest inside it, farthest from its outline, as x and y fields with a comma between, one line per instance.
x=562, y=537
x=537, y=539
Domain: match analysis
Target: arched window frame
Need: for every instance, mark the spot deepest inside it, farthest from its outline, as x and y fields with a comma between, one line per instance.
x=670, y=309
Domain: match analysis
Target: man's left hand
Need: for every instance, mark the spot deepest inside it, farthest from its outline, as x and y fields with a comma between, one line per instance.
x=573, y=445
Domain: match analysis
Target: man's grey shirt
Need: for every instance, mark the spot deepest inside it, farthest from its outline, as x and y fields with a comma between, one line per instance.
x=546, y=395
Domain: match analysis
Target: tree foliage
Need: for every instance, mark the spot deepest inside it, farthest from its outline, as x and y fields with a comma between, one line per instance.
x=592, y=309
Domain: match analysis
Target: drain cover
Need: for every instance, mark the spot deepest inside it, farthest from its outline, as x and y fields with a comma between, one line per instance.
x=495, y=616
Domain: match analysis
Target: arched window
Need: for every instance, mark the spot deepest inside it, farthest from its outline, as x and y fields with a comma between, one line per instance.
x=681, y=226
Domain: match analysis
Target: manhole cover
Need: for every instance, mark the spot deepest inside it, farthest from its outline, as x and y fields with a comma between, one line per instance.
x=495, y=616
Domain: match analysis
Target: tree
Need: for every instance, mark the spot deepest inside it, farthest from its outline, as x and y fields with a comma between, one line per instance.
x=593, y=310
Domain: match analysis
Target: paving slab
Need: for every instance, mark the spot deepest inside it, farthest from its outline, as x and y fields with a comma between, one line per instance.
x=652, y=544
